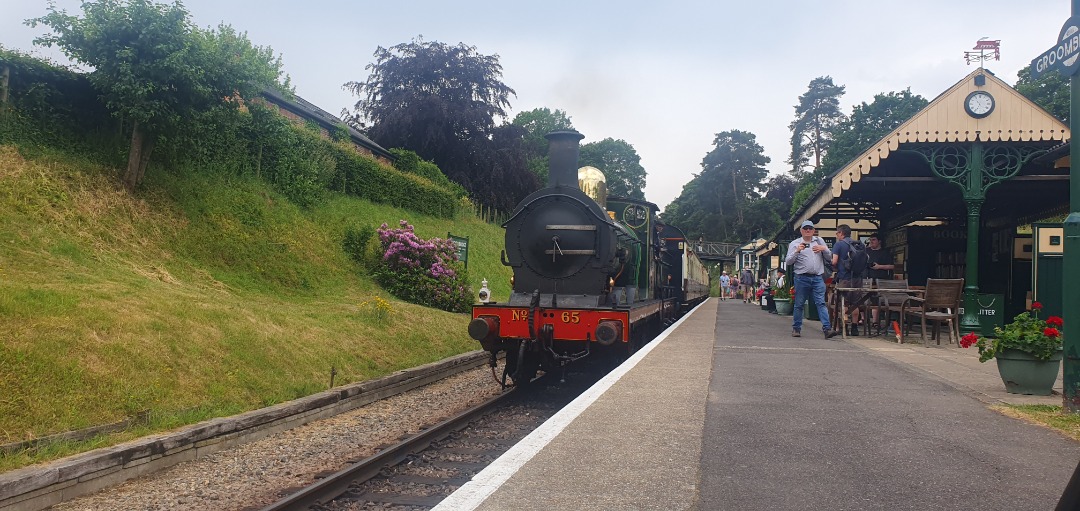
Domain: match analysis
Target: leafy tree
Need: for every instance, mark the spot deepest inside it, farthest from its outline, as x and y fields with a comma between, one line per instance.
x=441, y=102
x=501, y=178
x=537, y=123
x=724, y=202
x=816, y=117
x=1050, y=91
x=153, y=68
x=621, y=166
x=867, y=124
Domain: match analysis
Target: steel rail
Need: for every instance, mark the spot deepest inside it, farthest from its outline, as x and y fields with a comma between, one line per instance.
x=339, y=482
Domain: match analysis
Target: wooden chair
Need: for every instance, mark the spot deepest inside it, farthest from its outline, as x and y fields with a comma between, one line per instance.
x=940, y=304
x=889, y=302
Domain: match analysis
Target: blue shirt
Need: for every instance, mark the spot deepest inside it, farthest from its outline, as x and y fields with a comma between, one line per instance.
x=842, y=248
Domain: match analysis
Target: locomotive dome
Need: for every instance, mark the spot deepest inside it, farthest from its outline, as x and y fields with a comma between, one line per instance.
x=592, y=182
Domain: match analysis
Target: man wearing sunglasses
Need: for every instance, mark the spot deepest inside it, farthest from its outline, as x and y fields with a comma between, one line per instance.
x=806, y=259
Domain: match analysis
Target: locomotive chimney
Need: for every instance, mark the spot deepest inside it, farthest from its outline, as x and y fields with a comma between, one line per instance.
x=563, y=157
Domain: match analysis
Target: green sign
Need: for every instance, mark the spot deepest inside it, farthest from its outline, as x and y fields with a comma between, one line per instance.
x=462, y=247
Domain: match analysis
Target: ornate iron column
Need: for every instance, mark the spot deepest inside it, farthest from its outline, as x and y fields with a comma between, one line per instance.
x=974, y=168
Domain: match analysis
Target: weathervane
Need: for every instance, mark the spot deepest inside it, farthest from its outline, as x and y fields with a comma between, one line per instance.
x=986, y=50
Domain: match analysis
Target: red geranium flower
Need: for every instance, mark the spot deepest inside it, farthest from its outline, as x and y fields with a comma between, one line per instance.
x=1027, y=333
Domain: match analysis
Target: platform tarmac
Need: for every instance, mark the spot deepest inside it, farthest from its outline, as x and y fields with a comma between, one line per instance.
x=727, y=411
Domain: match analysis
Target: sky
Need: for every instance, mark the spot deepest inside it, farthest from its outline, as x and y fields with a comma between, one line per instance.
x=665, y=77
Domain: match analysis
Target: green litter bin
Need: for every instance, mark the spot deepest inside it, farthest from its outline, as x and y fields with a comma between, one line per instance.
x=991, y=312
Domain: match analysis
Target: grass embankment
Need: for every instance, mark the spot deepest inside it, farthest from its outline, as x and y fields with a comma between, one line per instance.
x=200, y=296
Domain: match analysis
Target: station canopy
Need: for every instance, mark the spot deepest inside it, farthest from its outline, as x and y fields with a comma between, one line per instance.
x=891, y=184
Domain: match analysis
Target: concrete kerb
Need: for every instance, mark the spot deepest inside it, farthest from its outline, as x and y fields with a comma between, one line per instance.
x=40, y=486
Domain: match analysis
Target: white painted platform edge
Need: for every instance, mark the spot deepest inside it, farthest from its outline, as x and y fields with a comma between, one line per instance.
x=483, y=484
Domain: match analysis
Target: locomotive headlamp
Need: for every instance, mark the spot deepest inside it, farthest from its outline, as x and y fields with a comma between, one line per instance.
x=485, y=293
x=608, y=332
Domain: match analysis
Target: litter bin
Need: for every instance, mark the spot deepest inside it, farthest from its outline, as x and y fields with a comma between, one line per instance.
x=991, y=312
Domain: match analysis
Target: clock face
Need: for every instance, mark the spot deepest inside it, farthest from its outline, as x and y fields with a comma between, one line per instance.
x=979, y=104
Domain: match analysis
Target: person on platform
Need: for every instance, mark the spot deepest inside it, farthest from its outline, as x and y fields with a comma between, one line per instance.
x=725, y=285
x=806, y=259
x=840, y=253
x=879, y=264
x=746, y=279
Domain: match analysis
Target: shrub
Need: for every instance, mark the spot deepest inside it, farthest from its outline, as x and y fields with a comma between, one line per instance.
x=356, y=241
x=424, y=272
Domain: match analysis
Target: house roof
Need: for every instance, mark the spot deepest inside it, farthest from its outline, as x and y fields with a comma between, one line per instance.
x=307, y=110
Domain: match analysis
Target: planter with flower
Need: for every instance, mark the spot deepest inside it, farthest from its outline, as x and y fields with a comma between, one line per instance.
x=782, y=299
x=1028, y=351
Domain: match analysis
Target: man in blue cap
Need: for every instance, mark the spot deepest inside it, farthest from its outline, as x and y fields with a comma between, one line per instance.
x=806, y=259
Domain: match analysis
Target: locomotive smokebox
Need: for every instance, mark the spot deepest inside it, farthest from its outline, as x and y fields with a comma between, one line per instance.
x=562, y=157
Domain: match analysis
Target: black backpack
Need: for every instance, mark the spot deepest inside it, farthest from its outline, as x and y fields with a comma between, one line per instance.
x=857, y=258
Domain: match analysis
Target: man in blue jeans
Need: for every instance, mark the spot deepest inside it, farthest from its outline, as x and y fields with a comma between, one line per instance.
x=805, y=259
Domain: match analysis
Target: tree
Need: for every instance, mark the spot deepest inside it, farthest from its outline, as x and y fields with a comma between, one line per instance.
x=438, y=100
x=816, y=116
x=537, y=123
x=1050, y=91
x=867, y=124
x=620, y=164
x=501, y=161
x=153, y=68
x=715, y=204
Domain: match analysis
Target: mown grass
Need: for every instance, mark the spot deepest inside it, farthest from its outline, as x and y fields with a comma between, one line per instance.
x=199, y=296
x=1046, y=415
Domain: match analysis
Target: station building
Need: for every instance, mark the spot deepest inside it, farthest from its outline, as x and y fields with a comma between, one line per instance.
x=960, y=190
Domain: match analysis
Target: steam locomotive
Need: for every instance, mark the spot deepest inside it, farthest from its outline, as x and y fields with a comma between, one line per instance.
x=592, y=275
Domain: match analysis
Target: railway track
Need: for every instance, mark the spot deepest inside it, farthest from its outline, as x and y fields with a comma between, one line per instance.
x=420, y=471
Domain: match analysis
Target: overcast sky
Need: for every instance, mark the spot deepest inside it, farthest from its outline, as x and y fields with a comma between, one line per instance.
x=663, y=76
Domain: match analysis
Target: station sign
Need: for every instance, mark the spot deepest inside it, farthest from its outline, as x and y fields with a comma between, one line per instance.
x=462, y=244
x=1062, y=56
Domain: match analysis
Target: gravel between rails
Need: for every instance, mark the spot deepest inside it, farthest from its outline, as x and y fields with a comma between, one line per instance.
x=253, y=475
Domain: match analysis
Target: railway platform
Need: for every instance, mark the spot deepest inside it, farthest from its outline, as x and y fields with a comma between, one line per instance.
x=727, y=411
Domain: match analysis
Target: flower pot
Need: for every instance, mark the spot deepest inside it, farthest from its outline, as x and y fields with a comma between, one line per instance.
x=1022, y=373
x=783, y=306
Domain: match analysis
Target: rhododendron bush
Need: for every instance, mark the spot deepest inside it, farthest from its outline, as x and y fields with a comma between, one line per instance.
x=424, y=272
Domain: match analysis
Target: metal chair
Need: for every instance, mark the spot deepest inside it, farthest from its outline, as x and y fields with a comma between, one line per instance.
x=891, y=296
x=940, y=304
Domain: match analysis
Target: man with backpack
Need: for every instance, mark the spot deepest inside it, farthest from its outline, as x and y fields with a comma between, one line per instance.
x=747, y=281
x=849, y=258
